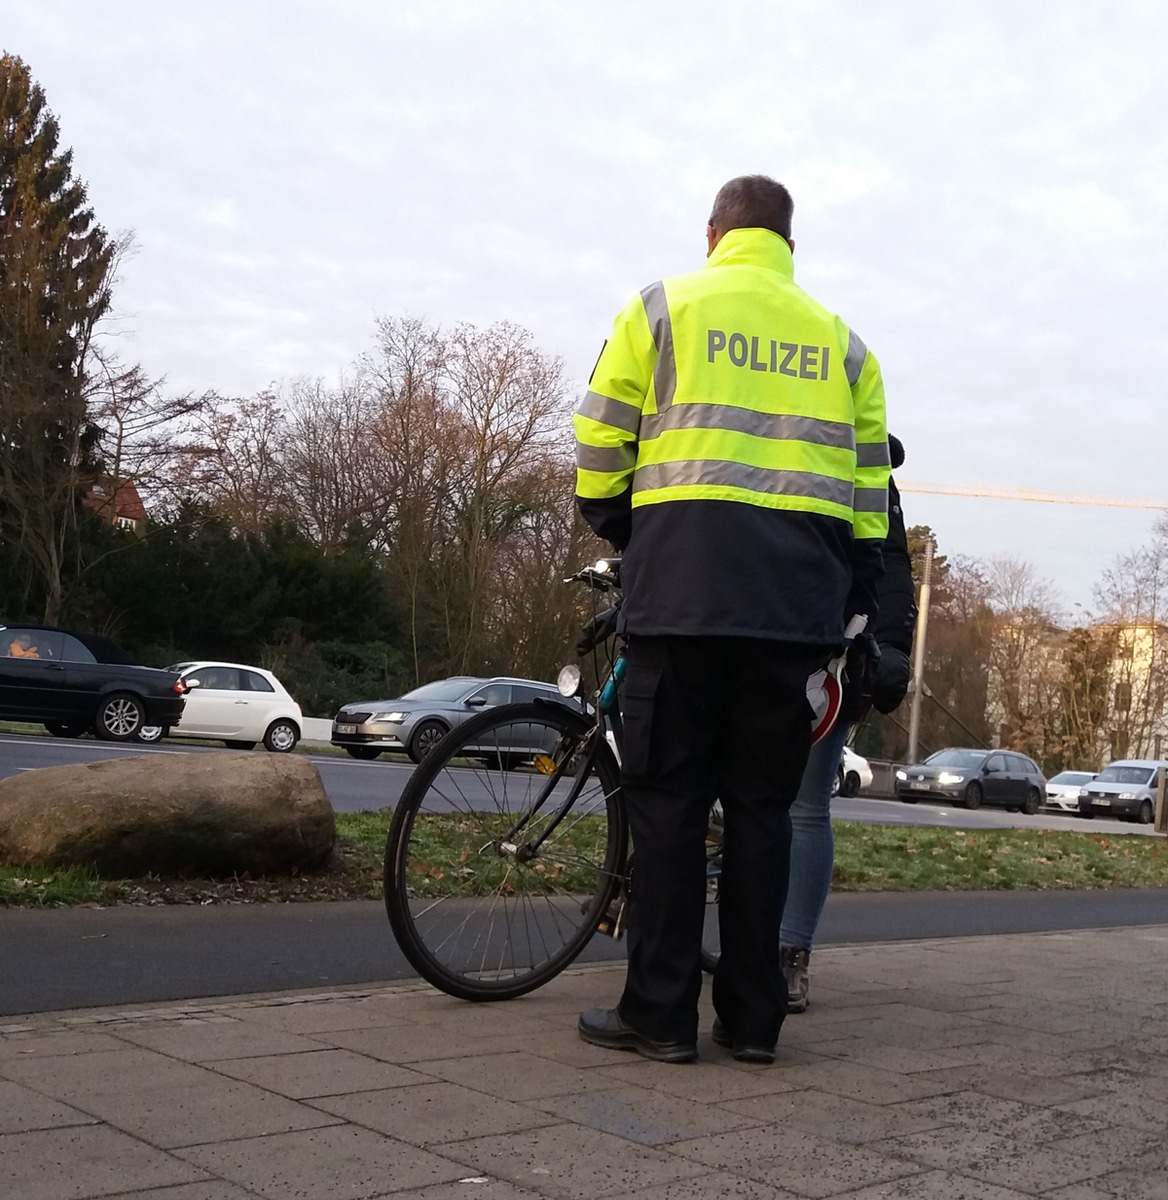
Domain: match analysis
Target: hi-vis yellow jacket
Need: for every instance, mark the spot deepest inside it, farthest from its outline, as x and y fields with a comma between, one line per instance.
x=733, y=442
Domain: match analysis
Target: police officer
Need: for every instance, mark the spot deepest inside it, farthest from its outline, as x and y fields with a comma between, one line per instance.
x=732, y=444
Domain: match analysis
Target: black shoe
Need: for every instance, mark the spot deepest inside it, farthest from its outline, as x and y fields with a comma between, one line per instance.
x=604, y=1027
x=743, y=1053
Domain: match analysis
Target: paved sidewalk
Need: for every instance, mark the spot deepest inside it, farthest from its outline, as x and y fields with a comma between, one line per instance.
x=956, y=1069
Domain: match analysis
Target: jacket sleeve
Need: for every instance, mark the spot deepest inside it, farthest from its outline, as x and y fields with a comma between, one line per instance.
x=870, y=506
x=607, y=423
x=898, y=608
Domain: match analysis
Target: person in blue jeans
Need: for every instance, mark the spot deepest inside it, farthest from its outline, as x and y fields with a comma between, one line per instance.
x=812, y=844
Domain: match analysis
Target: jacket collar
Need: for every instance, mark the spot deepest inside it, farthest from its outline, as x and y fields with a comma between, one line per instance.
x=753, y=248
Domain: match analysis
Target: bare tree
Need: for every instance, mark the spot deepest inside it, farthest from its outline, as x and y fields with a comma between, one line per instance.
x=1132, y=596
x=1025, y=658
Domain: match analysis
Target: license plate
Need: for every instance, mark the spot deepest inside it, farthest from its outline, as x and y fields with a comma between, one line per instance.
x=1102, y=802
x=346, y=729
x=919, y=785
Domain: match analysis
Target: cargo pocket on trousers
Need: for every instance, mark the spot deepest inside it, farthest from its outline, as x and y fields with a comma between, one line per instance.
x=640, y=698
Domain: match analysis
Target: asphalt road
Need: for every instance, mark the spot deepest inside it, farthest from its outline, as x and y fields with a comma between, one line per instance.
x=58, y=959
x=354, y=786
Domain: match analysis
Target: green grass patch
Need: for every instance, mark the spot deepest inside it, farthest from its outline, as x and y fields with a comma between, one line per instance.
x=446, y=862
x=914, y=857
x=456, y=855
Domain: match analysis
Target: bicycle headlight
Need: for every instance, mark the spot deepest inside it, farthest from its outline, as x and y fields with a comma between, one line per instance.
x=569, y=679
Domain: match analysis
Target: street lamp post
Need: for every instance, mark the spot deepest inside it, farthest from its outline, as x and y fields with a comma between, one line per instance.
x=918, y=683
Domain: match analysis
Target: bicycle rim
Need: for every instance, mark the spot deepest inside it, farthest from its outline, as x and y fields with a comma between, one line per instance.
x=475, y=916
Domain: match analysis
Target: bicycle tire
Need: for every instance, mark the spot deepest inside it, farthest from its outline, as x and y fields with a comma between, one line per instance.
x=473, y=918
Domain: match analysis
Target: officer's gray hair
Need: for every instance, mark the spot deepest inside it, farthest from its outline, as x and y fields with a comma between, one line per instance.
x=753, y=202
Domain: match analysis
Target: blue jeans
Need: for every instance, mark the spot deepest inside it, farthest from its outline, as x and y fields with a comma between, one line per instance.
x=812, y=845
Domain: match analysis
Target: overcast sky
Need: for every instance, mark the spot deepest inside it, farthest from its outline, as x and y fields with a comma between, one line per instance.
x=980, y=191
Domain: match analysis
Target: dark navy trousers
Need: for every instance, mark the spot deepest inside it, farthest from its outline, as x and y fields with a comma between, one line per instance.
x=710, y=718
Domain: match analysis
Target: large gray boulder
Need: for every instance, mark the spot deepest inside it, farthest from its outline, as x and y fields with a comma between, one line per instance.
x=168, y=814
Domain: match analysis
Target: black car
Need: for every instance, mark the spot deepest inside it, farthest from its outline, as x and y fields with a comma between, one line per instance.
x=971, y=777
x=74, y=682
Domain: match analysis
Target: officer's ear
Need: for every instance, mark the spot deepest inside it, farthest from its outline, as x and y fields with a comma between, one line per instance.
x=713, y=237
x=791, y=243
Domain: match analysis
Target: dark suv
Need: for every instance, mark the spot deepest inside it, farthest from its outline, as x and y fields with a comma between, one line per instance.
x=74, y=682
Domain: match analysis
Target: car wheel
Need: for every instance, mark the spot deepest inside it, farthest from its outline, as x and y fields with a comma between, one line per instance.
x=120, y=717
x=850, y=785
x=65, y=728
x=365, y=753
x=153, y=733
x=281, y=737
x=427, y=735
x=1147, y=813
x=1032, y=803
x=908, y=799
x=240, y=745
x=973, y=796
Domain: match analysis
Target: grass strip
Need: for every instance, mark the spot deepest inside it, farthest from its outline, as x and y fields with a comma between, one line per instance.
x=867, y=858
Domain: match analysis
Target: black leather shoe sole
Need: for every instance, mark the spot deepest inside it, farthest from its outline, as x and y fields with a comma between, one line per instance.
x=603, y=1027
x=754, y=1054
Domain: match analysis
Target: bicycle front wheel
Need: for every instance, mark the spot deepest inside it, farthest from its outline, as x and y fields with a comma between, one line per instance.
x=506, y=849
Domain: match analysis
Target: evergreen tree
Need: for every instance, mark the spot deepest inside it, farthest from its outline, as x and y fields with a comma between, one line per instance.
x=56, y=272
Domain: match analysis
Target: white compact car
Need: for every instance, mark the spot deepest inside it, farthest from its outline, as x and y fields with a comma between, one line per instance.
x=854, y=774
x=235, y=704
x=1062, y=792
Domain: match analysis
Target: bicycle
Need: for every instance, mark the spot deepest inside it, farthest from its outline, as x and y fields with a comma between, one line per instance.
x=509, y=848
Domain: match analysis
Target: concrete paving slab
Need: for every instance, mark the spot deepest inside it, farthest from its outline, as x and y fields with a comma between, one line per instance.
x=22, y=1110
x=83, y=1162
x=433, y=1113
x=516, y=1076
x=645, y=1116
x=798, y=1161
x=209, y=1112
x=189, y=1191
x=571, y=1162
x=317, y=1073
x=340, y=1163
x=889, y=1087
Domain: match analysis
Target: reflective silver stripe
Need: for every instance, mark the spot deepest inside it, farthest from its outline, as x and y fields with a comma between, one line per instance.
x=665, y=372
x=873, y=454
x=730, y=418
x=607, y=411
x=719, y=473
x=608, y=459
x=871, y=500
x=854, y=362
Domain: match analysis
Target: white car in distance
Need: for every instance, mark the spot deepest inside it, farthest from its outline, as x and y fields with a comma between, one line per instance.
x=1062, y=792
x=853, y=776
x=236, y=704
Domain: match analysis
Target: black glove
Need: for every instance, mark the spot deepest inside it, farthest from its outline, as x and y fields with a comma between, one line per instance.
x=893, y=674
x=599, y=629
x=859, y=677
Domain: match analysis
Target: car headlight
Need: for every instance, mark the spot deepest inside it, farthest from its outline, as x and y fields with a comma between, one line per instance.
x=1126, y=796
x=947, y=777
x=380, y=718
x=1082, y=793
x=901, y=775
